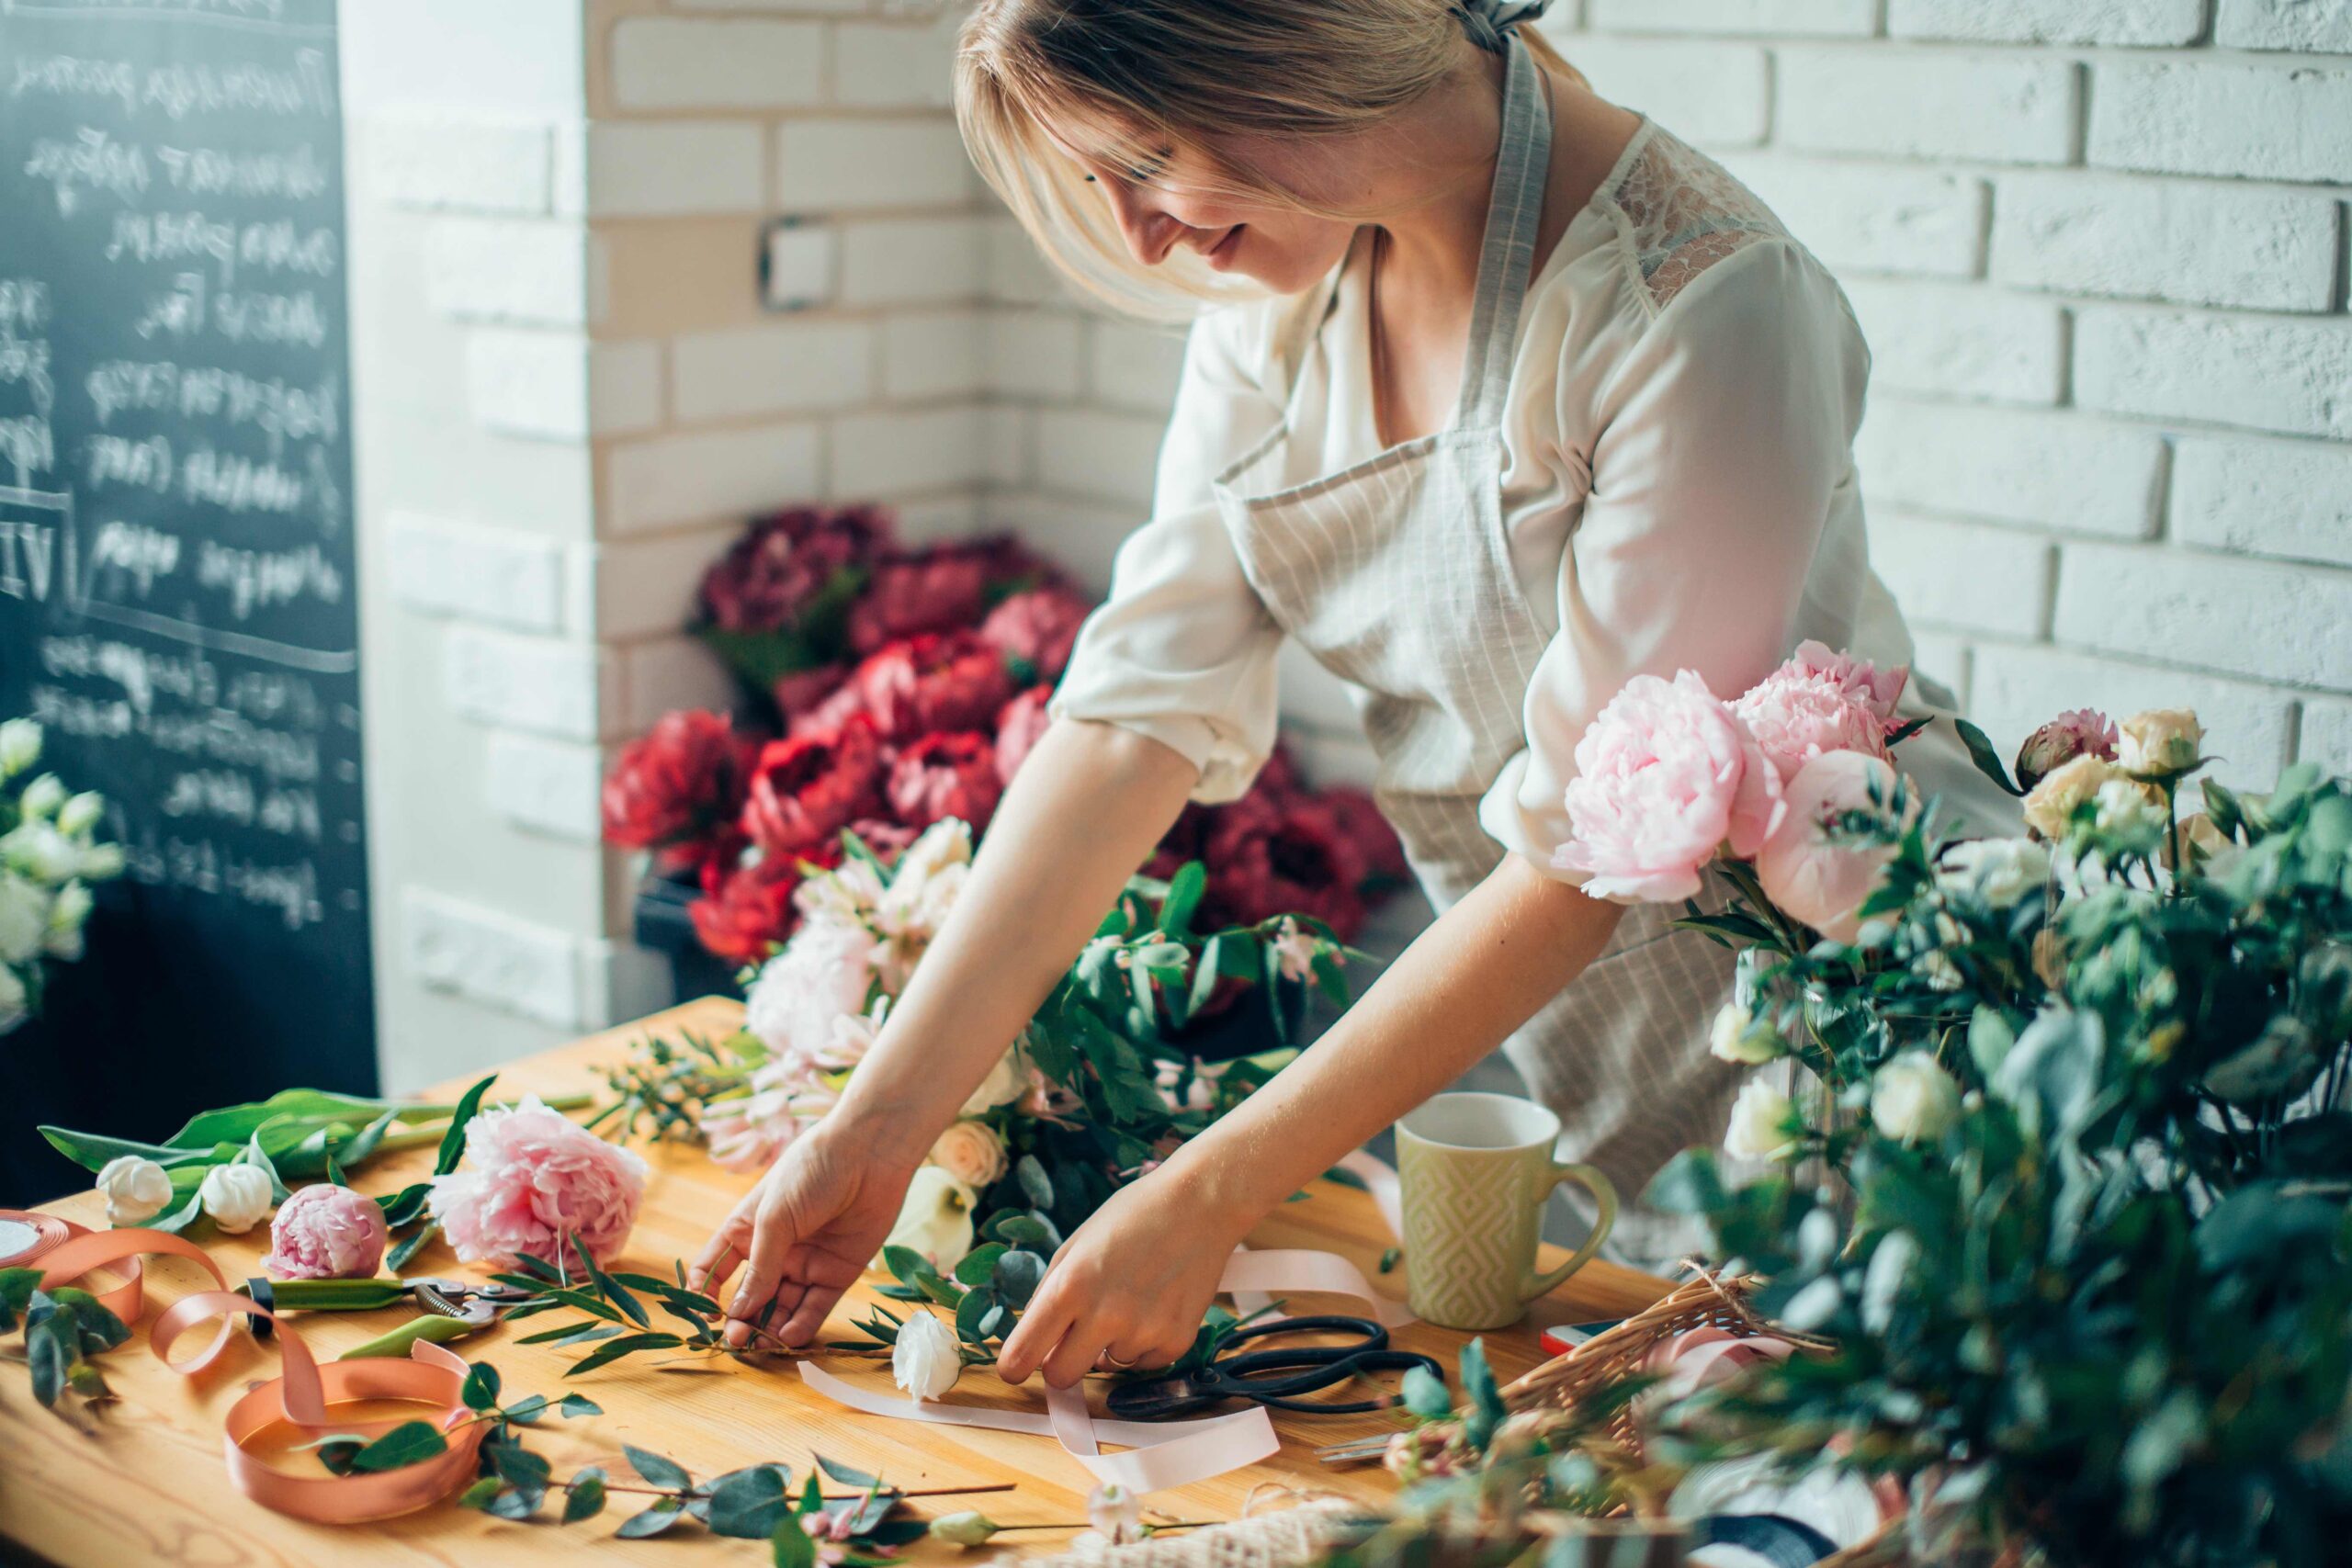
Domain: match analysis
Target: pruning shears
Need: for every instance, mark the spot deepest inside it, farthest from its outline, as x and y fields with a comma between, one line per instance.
x=448, y=1309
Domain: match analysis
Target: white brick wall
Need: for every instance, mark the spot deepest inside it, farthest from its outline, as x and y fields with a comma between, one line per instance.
x=2099, y=248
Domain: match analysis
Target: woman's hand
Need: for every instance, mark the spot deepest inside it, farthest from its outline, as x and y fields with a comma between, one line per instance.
x=806, y=1232
x=1129, y=1288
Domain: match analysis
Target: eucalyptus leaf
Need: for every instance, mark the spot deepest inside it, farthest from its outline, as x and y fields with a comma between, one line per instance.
x=655, y=1471
x=584, y=1499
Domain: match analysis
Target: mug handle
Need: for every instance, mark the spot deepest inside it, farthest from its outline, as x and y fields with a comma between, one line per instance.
x=1604, y=1198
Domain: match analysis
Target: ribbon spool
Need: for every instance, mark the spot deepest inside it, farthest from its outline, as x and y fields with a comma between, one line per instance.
x=300, y=1397
x=26, y=1237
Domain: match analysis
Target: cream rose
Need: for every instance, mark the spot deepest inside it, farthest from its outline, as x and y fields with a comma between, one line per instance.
x=1763, y=1122
x=1914, y=1099
x=2000, y=871
x=971, y=1151
x=2161, y=743
x=2050, y=804
x=1736, y=1037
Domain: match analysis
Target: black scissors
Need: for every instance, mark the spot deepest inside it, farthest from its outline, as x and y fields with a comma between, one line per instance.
x=1275, y=1377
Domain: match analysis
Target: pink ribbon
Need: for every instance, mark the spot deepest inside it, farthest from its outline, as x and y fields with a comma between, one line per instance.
x=300, y=1396
x=1169, y=1453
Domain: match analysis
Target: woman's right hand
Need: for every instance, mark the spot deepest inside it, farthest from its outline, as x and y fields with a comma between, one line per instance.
x=804, y=1233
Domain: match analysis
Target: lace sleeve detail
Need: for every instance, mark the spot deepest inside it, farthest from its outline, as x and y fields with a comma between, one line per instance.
x=1682, y=212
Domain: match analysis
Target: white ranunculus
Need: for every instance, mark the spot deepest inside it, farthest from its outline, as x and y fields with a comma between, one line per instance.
x=926, y=1361
x=1913, y=1098
x=2160, y=743
x=101, y=862
x=1763, y=1122
x=136, y=1189
x=1735, y=1037
x=13, y=1003
x=20, y=746
x=236, y=1196
x=935, y=1219
x=24, y=918
x=1006, y=1082
x=41, y=852
x=43, y=797
x=68, y=913
x=2000, y=871
x=81, y=813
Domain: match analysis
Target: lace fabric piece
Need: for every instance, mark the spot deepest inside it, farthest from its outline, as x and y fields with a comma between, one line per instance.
x=1682, y=212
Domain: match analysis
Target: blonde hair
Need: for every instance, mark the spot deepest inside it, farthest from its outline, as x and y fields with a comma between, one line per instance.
x=1181, y=73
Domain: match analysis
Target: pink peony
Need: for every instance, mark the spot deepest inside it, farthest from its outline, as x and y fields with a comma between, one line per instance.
x=1816, y=881
x=326, y=1232
x=537, y=1181
x=1038, y=627
x=2083, y=732
x=822, y=976
x=1020, y=725
x=1665, y=776
x=1820, y=700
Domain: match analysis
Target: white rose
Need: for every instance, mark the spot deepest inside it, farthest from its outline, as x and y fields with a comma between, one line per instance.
x=81, y=813
x=43, y=797
x=24, y=918
x=1006, y=1082
x=1762, y=1123
x=1913, y=1098
x=926, y=1360
x=13, y=1008
x=68, y=912
x=236, y=1196
x=1735, y=1037
x=20, y=746
x=2000, y=871
x=971, y=1151
x=2159, y=744
x=936, y=1218
x=100, y=861
x=41, y=852
x=136, y=1189
x=2050, y=804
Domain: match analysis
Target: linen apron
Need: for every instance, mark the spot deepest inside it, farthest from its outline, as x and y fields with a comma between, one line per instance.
x=1395, y=574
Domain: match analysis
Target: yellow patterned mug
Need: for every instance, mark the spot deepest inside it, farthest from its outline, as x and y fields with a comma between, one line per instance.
x=1475, y=1170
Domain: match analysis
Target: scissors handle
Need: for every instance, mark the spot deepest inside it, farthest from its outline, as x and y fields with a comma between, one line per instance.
x=1338, y=1371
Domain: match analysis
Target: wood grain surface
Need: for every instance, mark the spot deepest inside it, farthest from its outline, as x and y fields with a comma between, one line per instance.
x=149, y=1486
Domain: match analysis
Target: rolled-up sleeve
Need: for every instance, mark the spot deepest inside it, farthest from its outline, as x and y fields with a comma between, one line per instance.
x=1724, y=434
x=1183, y=650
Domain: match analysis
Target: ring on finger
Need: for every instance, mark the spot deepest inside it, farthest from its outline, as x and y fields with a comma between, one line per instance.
x=1109, y=1361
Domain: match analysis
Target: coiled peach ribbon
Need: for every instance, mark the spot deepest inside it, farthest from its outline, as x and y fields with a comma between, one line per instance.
x=1168, y=1453
x=300, y=1396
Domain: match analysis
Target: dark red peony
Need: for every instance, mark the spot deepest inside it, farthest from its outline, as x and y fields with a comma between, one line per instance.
x=1020, y=724
x=744, y=910
x=1271, y=856
x=945, y=774
x=1037, y=628
x=678, y=788
x=1375, y=840
x=790, y=562
x=917, y=593
x=804, y=690
x=805, y=790
x=949, y=682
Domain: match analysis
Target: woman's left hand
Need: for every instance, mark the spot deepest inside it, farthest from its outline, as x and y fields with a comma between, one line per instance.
x=1129, y=1288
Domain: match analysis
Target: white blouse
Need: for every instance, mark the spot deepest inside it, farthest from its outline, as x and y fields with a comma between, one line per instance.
x=1678, y=491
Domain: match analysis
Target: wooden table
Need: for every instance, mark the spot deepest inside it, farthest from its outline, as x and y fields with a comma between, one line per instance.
x=148, y=1487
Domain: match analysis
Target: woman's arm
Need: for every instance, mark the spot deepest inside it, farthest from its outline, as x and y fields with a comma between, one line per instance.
x=1136, y=1276
x=1088, y=805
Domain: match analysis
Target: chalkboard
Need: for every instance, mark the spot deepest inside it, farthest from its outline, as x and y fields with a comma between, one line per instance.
x=178, y=605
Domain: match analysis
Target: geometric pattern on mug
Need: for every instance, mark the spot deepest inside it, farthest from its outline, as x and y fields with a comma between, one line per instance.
x=1470, y=1245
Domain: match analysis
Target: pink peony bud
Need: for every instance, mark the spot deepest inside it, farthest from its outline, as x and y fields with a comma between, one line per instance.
x=2083, y=732
x=1802, y=871
x=326, y=1232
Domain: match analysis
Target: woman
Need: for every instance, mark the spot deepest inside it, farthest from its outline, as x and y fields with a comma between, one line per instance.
x=1645, y=468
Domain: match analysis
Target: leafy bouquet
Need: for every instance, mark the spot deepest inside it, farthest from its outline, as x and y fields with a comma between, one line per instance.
x=2070, y=1180
x=49, y=857
x=1100, y=1087
x=885, y=687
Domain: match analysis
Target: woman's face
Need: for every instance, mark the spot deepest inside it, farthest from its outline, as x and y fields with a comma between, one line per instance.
x=1178, y=199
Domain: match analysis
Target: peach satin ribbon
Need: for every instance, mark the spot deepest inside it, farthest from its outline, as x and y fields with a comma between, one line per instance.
x=300, y=1397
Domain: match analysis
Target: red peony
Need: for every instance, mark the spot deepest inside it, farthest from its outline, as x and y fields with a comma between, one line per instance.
x=807, y=789
x=1037, y=628
x=679, y=787
x=1020, y=724
x=909, y=689
x=1269, y=857
x=804, y=690
x=929, y=591
x=742, y=913
x=786, y=561
x=886, y=839
x=946, y=775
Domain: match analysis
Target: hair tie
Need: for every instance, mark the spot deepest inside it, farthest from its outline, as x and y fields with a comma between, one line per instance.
x=1486, y=21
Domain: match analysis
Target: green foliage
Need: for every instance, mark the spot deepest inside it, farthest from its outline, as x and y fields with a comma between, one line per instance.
x=62, y=1328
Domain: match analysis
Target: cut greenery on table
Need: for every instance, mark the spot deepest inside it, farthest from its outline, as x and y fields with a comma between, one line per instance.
x=63, y=1329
